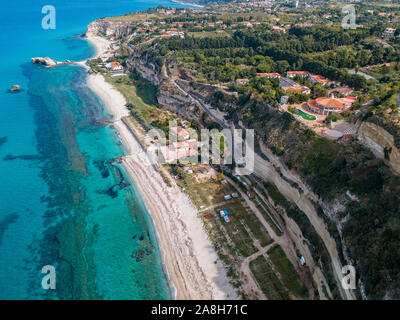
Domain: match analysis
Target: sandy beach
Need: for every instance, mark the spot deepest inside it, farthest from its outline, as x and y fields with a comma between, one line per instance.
x=191, y=263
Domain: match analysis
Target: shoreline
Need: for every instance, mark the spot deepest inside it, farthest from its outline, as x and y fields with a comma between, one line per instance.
x=192, y=266
x=188, y=3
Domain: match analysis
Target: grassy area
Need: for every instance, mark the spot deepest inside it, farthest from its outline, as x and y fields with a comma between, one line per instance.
x=268, y=281
x=240, y=214
x=242, y=244
x=202, y=194
x=289, y=276
x=208, y=34
x=274, y=193
x=143, y=98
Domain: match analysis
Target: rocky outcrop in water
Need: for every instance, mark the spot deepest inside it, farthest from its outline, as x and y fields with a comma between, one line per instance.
x=15, y=88
x=47, y=62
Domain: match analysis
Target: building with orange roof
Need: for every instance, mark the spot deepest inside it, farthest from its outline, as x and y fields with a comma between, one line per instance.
x=296, y=89
x=114, y=66
x=179, y=150
x=326, y=106
x=272, y=75
x=180, y=133
x=313, y=79
x=242, y=81
x=292, y=74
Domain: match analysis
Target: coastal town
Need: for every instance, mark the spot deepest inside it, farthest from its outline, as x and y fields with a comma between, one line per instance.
x=203, y=68
x=262, y=138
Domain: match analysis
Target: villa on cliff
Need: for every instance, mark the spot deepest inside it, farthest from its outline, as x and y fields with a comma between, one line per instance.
x=114, y=66
x=289, y=86
x=179, y=133
x=292, y=74
x=272, y=75
x=326, y=106
x=179, y=150
x=242, y=81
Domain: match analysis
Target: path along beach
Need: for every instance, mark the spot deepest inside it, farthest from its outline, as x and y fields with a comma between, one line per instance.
x=191, y=263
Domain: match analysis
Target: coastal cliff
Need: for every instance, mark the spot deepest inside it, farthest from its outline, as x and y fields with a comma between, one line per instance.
x=109, y=27
x=171, y=97
x=315, y=215
x=381, y=143
x=145, y=66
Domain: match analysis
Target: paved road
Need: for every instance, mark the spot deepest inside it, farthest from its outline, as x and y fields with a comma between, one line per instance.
x=258, y=165
x=203, y=106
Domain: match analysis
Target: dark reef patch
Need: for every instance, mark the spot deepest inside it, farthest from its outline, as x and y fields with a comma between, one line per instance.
x=27, y=157
x=102, y=167
x=3, y=140
x=5, y=222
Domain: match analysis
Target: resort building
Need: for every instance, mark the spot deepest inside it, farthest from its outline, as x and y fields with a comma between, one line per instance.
x=289, y=86
x=173, y=32
x=314, y=79
x=242, y=81
x=296, y=89
x=277, y=28
x=292, y=74
x=179, y=150
x=342, y=90
x=388, y=33
x=326, y=106
x=114, y=66
x=269, y=75
x=179, y=133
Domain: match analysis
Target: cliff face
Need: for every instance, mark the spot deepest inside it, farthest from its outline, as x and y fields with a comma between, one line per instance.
x=291, y=186
x=145, y=66
x=108, y=27
x=381, y=143
x=175, y=97
x=171, y=98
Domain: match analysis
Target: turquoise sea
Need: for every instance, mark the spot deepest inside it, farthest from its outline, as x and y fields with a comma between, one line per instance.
x=63, y=200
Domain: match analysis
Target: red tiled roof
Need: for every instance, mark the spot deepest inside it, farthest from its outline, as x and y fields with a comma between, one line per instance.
x=179, y=131
x=298, y=72
x=334, y=103
x=264, y=74
x=320, y=79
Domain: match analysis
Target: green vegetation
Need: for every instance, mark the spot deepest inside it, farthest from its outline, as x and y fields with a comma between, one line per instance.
x=289, y=276
x=270, y=284
x=238, y=212
x=330, y=169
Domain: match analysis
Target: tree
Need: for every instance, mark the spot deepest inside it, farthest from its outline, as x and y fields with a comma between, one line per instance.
x=282, y=66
